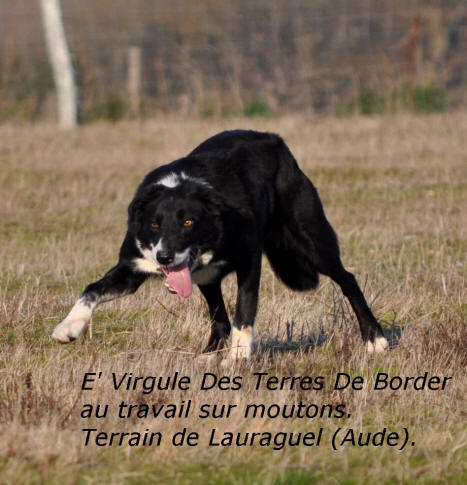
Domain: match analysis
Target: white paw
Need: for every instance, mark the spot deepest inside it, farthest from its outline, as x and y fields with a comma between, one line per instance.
x=379, y=345
x=242, y=342
x=74, y=325
x=69, y=330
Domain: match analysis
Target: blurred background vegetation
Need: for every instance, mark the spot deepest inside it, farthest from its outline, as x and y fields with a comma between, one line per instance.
x=228, y=58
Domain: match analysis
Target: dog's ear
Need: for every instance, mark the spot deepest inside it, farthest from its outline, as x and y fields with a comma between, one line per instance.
x=143, y=196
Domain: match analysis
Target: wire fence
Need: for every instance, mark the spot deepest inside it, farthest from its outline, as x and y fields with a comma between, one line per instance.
x=221, y=57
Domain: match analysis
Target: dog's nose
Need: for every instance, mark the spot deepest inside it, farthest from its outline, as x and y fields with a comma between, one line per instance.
x=164, y=257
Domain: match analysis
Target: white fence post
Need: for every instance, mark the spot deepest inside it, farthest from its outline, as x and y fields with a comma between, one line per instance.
x=60, y=60
x=134, y=79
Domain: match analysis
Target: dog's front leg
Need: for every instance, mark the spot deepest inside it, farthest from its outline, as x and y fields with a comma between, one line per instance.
x=119, y=281
x=220, y=324
x=248, y=278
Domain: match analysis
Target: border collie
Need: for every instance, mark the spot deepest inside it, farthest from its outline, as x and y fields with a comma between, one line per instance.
x=213, y=212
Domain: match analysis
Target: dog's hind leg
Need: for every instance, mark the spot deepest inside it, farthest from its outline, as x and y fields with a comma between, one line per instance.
x=312, y=246
x=119, y=281
x=370, y=329
x=328, y=262
x=220, y=324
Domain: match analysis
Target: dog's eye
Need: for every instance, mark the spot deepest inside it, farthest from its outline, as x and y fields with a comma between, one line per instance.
x=188, y=222
x=154, y=225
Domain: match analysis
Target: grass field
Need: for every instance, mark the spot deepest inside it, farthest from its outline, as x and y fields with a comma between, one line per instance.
x=395, y=190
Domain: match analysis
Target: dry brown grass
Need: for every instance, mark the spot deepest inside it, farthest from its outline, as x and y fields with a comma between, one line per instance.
x=394, y=189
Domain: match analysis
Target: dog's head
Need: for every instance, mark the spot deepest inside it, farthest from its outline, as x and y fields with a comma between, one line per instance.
x=176, y=224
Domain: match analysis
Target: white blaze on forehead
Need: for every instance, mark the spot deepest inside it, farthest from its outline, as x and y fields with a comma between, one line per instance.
x=196, y=180
x=170, y=181
x=173, y=179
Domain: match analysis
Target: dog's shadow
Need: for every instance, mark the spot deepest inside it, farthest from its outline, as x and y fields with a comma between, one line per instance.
x=295, y=340
x=311, y=338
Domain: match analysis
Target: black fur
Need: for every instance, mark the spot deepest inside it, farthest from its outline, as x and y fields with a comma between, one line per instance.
x=247, y=195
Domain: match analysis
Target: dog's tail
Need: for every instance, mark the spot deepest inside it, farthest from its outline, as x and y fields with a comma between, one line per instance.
x=299, y=231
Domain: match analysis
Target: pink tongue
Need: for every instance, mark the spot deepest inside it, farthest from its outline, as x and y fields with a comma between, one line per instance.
x=179, y=278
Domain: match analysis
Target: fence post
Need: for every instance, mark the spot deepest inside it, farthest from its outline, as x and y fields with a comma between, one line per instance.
x=134, y=79
x=60, y=59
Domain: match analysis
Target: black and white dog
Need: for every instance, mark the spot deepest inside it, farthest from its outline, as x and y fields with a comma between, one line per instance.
x=199, y=218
